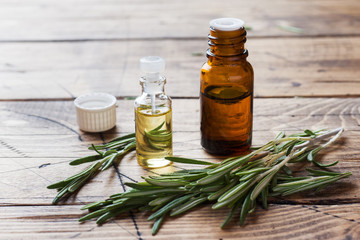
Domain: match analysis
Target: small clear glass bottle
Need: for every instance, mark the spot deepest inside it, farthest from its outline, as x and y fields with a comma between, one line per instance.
x=227, y=82
x=153, y=116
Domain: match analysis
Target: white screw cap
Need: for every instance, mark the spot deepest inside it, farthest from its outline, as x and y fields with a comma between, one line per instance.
x=226, y=24
x=96, y=112
x=152, y=64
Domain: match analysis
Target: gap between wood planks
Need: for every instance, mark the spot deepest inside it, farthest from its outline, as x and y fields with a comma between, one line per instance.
x=270, y=201
x=173, y=38
x=120, y=176
x=178, y=97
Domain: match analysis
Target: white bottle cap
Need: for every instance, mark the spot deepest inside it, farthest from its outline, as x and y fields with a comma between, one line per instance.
x=96, y=112
x=226, y=24
x=152, y=64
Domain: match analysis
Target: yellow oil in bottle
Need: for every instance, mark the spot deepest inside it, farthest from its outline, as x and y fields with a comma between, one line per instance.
x=153, y=136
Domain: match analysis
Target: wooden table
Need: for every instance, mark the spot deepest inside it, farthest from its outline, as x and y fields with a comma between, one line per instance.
x=53, y=51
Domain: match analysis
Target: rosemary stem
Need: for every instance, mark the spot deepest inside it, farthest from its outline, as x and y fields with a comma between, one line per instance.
x=337, y=132
x=271, y=158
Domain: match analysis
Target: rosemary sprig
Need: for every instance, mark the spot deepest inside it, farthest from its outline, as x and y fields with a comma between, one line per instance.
x=236, y=182
x=320, y=180
x=113, y=152
x=116, y=149
x=158, y=139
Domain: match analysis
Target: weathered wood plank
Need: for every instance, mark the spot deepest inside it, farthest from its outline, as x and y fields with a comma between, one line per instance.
x=38, y=139
x=45, y=122
x=98, y=19
x=58, y=222
x=185, y=143
x=283, y=67
x=29, y=126
x=273, y=114
x=278, y=222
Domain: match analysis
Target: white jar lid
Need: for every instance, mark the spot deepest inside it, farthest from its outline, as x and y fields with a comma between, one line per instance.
x=96, y=112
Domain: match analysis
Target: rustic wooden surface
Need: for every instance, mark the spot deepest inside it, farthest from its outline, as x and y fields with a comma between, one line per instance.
x=53, y=51
x=284, y=67
x=41, y=20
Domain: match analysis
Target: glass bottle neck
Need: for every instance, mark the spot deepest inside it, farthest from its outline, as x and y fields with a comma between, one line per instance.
x=227, y=44
x=152, y=85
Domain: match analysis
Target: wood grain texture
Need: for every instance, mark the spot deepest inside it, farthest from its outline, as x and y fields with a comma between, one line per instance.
x=58, y=50
x=278, y=222
x=109, y=19
x=38, y=122
x=284, y=67
x=58, y=222
x=38, y=139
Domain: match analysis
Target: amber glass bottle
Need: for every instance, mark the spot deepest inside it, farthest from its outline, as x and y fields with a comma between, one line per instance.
x=227, y=82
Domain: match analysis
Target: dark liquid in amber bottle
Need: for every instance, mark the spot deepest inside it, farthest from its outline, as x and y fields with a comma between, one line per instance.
x=226, y=119
x=226, y=97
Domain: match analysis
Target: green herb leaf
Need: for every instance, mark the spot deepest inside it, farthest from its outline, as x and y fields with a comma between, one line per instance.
x=309, y=132
x=157, y=225
x=261, y=185
x=264, y=195
x=245, y=209
x=166, y=183
x=188, y=205
x=170, y=206
x=232, y=212
x=321, y=173
x=325, y=165
x=189, y=161
x=85, y=160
